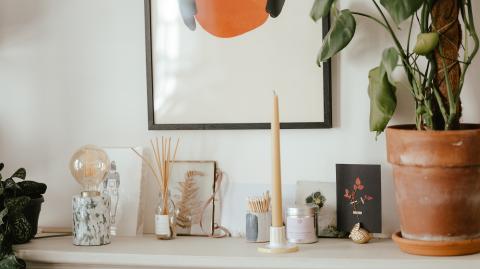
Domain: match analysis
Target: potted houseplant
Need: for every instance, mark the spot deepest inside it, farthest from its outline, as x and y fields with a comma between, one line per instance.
x=436, y=162
x=20, y=204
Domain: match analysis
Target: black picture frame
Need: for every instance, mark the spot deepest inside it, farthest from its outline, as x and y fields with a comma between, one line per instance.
x=327, y=94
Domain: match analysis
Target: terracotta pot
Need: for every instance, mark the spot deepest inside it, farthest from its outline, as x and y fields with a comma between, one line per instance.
x=437, y=182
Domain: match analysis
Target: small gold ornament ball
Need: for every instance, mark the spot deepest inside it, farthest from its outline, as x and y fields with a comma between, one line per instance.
x=359, y=235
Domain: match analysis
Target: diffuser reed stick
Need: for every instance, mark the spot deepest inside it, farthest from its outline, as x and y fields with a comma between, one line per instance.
x=163, y=158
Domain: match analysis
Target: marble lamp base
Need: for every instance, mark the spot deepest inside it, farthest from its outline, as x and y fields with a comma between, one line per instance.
x=91, y=220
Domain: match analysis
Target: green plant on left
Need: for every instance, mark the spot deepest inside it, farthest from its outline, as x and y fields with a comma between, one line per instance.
x=14, y=226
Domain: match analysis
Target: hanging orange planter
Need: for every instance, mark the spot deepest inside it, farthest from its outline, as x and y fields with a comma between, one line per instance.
x=227, y=18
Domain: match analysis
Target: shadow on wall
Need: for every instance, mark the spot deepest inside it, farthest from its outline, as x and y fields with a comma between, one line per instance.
x=471, y=92
x=336, y=86
x=16, y=17
x=16, y=21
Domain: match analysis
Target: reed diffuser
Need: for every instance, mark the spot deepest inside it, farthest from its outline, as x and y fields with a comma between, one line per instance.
x=165, y=218
x=258, y=218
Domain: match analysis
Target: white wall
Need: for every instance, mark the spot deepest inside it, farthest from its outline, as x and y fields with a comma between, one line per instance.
x=72, y=72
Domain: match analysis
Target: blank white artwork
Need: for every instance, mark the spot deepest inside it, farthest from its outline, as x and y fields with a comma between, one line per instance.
x=199, y=78
x=129, y=214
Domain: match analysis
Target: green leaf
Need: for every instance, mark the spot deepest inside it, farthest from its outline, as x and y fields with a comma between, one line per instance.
x=320, y=9
x=400, y=10
x=389, y=62
x=31, y=188
x=16, y=205
x=20, y=173
x=10, y=185
x=426, y=43
x=3, y=213
x=1, y=166
x=382, y=100
x=22, y=230
x=338, y=37
x=12, y=262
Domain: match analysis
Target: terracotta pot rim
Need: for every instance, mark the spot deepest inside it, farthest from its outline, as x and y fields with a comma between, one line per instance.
x=411, y=128
x=397, y=236
x=437, y=248
x=448, y=149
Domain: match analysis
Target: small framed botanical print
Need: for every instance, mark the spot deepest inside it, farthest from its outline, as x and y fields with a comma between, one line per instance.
x=192, y=190
x=359, y=198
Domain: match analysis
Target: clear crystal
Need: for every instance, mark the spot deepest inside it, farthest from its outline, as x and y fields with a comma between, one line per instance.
x=111, y=187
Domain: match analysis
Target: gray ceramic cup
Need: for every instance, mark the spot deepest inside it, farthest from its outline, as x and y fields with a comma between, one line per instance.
x=257, y=228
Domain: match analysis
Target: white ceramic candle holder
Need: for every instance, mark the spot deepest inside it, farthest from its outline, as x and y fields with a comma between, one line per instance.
x=278, y=242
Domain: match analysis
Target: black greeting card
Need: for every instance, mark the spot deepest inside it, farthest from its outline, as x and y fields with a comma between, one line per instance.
x=359, y=197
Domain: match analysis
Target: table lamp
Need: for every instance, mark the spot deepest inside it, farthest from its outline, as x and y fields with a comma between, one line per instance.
x=91, y=211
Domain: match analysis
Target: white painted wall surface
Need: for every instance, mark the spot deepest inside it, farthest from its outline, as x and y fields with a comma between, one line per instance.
x=72, y=72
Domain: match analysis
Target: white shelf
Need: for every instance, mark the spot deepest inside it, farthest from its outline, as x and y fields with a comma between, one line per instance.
x=198, y=252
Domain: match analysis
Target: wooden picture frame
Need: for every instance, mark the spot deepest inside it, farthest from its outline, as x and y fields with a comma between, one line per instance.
x=226, y=117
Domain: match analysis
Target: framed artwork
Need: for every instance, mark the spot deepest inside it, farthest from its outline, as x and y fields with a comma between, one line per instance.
x=192, y=186
x=123, y=185
x=359, y=197
x=213, y=64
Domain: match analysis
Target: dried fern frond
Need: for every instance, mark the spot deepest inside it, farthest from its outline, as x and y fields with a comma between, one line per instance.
x=188, y=206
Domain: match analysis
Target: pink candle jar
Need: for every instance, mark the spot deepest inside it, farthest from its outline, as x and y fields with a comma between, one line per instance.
x=302, y=224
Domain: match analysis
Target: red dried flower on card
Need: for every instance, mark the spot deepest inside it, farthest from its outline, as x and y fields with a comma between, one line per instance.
x=358, y=184
x=368, y=197
x=347, y=194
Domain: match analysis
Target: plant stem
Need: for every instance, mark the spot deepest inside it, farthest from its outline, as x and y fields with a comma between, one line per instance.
x=406, y=64
x=409, y=35
x=451, y=102
x=370, y=17
x=424, y=20
x=390, y=29
x=438, y=96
